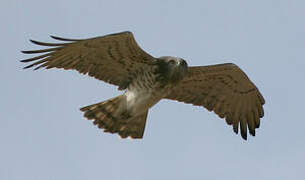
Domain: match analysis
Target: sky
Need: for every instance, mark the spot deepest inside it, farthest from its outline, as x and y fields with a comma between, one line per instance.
x=43, y=134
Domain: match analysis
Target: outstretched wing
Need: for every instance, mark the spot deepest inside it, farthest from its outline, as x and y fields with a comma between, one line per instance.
x=113, y=58
x=226, y=90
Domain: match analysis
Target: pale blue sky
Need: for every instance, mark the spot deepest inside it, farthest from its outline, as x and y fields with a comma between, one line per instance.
x=43, y=134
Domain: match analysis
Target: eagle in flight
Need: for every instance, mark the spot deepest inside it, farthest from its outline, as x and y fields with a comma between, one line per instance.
x=118, y=60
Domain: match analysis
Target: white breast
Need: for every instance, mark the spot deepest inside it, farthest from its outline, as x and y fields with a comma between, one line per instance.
x=140, y=97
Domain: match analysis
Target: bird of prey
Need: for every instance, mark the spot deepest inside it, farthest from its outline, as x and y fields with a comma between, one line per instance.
x=117, y=59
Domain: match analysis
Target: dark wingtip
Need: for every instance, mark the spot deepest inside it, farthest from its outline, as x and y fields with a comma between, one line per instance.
x=27, y=52
x=26, y=60
x=33, y=41
x=46, y=44
x=54, y=37
x=42, y=50
x=235, y=128
x=252, y=133
x=37, y=42
x=57, y=38
x=83, y=109
x=36, y=68
x=244, y=136
x=257, y=125
x=29, y=66
x=64, y=39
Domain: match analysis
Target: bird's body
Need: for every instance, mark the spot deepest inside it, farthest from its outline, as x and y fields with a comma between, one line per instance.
x=149, y=87
x=118, y=60
x=141, y=99
x=143, y=92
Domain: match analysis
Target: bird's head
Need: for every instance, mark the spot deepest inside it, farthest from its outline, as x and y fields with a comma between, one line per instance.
x=174, y=68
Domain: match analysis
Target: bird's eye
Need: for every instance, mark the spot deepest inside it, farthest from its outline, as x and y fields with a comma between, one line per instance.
x=172, y=62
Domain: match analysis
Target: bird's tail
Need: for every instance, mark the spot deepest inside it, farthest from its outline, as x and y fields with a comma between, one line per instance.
x=111, y=115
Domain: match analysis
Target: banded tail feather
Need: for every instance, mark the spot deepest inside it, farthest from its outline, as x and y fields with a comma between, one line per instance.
x=110, y=116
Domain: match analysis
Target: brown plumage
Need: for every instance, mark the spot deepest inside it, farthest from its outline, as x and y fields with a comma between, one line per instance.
x=118, y=60
x=226, y=90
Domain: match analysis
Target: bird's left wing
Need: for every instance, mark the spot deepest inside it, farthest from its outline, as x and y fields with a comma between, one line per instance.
x=226, y=90
x=114, y=58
